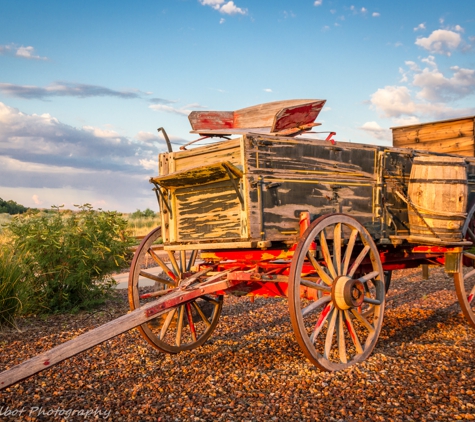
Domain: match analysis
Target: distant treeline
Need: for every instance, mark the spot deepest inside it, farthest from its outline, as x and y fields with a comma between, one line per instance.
x=11, y=207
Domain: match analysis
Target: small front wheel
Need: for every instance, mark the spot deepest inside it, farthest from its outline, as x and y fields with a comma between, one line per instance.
x=186, y=326
x=336, y=292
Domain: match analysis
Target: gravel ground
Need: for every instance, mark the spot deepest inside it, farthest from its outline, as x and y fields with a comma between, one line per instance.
x=252, y=368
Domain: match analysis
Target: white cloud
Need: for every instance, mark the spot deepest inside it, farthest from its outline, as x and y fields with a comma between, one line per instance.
x=146, y=136
x=431, y=93
x=441, y=41
x=228, y=8
x=267, y=90
x=21, y=52
x=36, y=199
x=317, y=2
x=420, y=27
x=435, y=86
x=222, y=20
x=376, y=131
x=376, y=15
x=393, y=101
x=169, y=109
x=46, y=162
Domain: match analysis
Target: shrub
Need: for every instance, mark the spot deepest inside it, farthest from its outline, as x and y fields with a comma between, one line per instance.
x=11, y=207
x=11, y=286
x=70, y=256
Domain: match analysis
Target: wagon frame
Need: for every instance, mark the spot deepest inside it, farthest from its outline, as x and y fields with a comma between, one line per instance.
x=276, y=213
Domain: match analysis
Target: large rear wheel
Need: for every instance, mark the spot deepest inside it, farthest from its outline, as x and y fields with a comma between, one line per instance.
x=336, y=292
x=464, y=279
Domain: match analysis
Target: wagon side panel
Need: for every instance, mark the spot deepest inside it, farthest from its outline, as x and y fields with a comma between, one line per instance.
x=288, y=176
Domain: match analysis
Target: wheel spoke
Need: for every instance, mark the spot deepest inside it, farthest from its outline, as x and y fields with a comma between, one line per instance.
x=469, y=255
x=469, y=274
x=353, y=335
x=321, y=322
x=341, y=339
x=156, y=278
x=201, y=313
x=167, y=322
x=210, y=299
x=349, y=250
x=183, y=261
x=164, y=267
x=368, y=276
x=179, y=328
x=315, y=305
x=175, y=267
x=320, y=270
x=371, y=301
x=326, y=254
x=190, y=321
x=155, y=294
x=191, y=262
x=331, y=329
x=308, y=283
x=471, y=234
x=337, y=248
x=358, y=260
x=471, y=295
x=363, y=320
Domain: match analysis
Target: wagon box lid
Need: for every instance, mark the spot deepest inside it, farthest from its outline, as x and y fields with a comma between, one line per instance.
x=271, y=117
x=199, y=175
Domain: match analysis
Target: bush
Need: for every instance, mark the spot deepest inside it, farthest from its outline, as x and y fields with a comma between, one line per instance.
x=11, y=207
x=147, y=213
x=11, y=286
x=70, y=256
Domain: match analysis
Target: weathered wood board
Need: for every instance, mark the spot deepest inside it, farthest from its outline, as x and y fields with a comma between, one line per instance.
x=274, y=117
x=454, y=136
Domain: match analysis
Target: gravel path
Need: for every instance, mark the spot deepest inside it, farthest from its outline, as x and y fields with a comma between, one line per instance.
x=252, y=369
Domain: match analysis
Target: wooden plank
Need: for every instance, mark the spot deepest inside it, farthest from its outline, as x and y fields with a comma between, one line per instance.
x=227, y=151
x=107, y=331
x=211, y=120
x=449, y=146
x=298, y=115
x=262, y=115
x=211, y=211
x=429, y=135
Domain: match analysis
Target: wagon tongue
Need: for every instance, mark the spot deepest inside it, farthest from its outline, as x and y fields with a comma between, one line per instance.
x=118, y=326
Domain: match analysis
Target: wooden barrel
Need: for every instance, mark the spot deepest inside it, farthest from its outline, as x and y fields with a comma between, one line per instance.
x=438, y=198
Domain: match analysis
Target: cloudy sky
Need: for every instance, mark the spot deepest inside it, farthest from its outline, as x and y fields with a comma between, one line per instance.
x=84, y=85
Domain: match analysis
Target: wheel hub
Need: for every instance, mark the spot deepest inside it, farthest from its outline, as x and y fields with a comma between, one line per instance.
x=347, y=292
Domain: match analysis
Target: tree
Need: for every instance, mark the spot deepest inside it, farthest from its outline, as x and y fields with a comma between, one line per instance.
x=11, y=207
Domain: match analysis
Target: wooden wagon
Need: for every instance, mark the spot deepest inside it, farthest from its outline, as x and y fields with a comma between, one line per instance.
x=269, y=210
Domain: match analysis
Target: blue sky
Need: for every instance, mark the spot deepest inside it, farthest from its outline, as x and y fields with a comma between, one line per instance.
x=85, y=84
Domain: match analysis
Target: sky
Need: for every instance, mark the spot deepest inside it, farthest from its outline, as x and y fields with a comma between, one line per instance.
x=84, y=85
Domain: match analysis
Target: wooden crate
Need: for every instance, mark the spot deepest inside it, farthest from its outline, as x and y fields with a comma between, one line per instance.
x=454, y=136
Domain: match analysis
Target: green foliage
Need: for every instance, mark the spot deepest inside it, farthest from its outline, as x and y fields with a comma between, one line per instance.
x=70, y=256
x=11, y=286
x=148, y=213
x=11, y=207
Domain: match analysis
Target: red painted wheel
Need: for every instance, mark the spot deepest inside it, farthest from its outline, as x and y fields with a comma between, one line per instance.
x=184, y=327
x=464, y=280
x=336, y=293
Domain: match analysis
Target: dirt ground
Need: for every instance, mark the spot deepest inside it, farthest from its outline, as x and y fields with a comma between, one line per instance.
x=252, y=369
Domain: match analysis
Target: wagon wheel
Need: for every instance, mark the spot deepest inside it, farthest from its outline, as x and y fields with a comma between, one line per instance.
x=465, y=280
x=336, y=315
x=184, y=327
